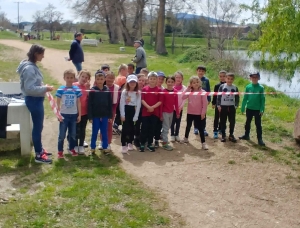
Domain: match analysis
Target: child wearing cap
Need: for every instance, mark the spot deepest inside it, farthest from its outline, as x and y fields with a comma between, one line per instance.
x=151, y=113
x=255, y=106
x=105, y=67
x=130, y=105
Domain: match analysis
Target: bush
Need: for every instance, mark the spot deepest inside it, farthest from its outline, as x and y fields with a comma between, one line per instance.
x=196, y=54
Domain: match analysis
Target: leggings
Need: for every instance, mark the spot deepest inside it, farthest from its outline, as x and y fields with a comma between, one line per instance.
x=198, y=123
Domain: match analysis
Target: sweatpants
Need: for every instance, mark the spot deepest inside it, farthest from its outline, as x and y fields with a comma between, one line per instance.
x=257, y=117
x=167, y=121
x=227, y=112
x=198, y=123
x=80, y=130
x=217, y=122
x=99, y=124
x=127, y=135
x=137, y=127
x=157, y=131
x=148, y=128
x=175, y=126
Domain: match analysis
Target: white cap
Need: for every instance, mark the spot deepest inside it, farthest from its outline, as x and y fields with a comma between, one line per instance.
x=131, y=78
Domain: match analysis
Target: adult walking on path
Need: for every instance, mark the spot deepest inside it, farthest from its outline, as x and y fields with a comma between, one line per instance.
x=140, y=56
x=76, y=52
x=34, y=91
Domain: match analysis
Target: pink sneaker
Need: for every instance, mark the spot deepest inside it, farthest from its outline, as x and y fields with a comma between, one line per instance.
x=73, y=153
x=124, y=149
x=130, y=147
x=60, y=154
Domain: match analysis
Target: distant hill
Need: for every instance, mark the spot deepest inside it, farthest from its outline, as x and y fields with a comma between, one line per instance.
x=187, y=16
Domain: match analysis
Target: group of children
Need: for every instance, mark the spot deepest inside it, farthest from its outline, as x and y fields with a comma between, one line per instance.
x=148, y=110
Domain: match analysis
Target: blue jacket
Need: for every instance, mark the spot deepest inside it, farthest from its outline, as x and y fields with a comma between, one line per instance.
x=206, y=86
x=76, y=52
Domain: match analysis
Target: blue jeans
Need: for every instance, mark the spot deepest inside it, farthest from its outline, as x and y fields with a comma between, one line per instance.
x=138, y=70
x=35, y=106
x=102, y=125
x=68, y=123
x=78, y=66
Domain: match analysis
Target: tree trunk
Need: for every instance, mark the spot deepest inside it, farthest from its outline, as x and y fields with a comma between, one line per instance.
x=111, y=24
x=160, y=45
x=173, y=41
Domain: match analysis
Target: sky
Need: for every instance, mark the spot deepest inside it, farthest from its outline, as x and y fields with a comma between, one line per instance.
x=29, y=7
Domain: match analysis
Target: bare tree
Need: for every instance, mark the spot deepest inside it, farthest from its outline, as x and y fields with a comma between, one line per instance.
x=151, y=8
x=38, y=20
x=52, y=17
x=160, y=44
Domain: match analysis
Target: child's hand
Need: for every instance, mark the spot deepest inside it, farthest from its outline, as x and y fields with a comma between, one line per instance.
x=109, y=120
x=213, y=106
x=87, y=85
x=60, y=120
x=178, y=116
x=150, y=109
x=49, y=88
x=261, y=113
x=78, y=119
x=123, y=119
x=219, y=108
x=202, y=117
x=91, y=121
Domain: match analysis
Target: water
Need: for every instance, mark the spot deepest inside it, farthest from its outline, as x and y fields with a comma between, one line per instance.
x=291, y=88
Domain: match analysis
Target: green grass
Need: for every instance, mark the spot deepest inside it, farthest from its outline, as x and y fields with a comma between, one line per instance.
x=8, y=35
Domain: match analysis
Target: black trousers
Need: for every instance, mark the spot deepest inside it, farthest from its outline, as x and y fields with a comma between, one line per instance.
x=3, y=118
x=148, y=128
x=118, y=116
x=80, y=130
x=217, y=122
x=175, y=126
x=257, y=117
x=158, y=128
x=204, y=122
x=198, y=123
x=227, y=112
x=127, y=135
x=137, y=126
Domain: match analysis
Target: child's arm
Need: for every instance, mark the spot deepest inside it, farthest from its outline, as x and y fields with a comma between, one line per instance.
x=214, y=100
x=208, y=90
x=204, y=106
x=145, y=104
x=176, y=106
x=58, y=99
x=219, y=97
x=138, y=107
x=245, y=99
x=263, y=101
x=122, y=105
x=184, y=95
x=90, y=102
x=237, y=98
x=110, y=101
x=79, y=110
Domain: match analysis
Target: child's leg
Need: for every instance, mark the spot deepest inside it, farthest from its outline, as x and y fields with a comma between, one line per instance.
x=231, y=118
x=72, y=131
x=95, y=129
x=153, y=121
x=167, y=121
x=200, y=125
x=173, y=124
x=189, y=121
x=158, y=128
x=177, y=121
x=63, y=126
x=110, y=128
x=249, y=116
x=258, y=124
x=83, y=123
x=217, y=121
x=78, y=132
x=103, y=128
x=223, y=119
x=144, y=129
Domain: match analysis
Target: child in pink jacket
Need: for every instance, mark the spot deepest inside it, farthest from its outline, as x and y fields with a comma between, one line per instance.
x=196, y=111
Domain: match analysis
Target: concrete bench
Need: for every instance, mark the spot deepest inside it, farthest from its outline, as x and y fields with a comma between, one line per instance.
x=18, y=116
x=122, y=48
x=90, y=42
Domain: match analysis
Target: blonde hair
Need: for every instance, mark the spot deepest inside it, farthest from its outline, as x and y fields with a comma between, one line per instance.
x=109, y=73
x=122, y=67
x=84, y=71
x=180, y=73
x=70, y=71
x=140, y=75
x=197, y=79
x=145, y=70
x=152, y=74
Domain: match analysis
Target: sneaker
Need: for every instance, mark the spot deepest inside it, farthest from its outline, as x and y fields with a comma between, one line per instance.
x=142, y=148
x=106, y=152
x=173, y=138
x=223, y=139
x=232, y=138
x=177, y=139
x=100, y=146
x=151, y=148
x=205, y=133
x=204, y=146
x=60, y=154
x=216, y=135
x=261, y=142
x=130, y=147
x=185, y=140
x=220, y=132
x=81, y=150
x=73, y=153
x=244, y=137
x=196, y=132
x=124, y=149
x=46, y=152
x=85, y=145
x=166, y=146
x=108, y=147
x=92, y=152
x=76, y=148
x=43, y=159
x=156, y=144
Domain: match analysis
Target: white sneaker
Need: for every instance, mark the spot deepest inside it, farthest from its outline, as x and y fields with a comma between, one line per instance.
x=100, y=146
x=130, y=147
x=204, y=146
x=172, y=139
x=178, y=139
x=185, y=140
x=108, y=147
x=124, y=149
x=76, y=148
x=85, y=144
x=81, y=150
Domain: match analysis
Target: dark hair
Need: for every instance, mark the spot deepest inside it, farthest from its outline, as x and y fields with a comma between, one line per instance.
x=35, y=49
x=131, y=64
x=100, y=73
x=222, y=72
x=230, y=75
x=170, y=77
x=105, y=66
x=200, y=67
x=77, y=34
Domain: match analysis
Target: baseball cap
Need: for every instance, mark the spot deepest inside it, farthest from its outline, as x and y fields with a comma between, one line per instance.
x=255, y=73
x=78, y=34
x=160, y=74
x=138, y=41
x=131, y=78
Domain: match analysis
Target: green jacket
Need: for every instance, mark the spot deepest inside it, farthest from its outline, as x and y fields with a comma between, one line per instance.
x=254, y=101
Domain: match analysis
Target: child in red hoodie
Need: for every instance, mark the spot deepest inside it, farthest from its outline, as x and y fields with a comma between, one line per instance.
x=151, y=112
x=169, y=104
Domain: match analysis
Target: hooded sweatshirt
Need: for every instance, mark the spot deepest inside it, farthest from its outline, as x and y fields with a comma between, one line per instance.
x=31, y=79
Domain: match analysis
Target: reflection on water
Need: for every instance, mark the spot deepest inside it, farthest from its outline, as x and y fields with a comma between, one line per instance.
x=292, y=87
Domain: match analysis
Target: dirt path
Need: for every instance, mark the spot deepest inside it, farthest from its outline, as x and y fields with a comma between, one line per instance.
x=223, y=187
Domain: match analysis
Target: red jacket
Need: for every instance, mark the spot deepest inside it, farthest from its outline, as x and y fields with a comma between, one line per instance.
x=170, y=102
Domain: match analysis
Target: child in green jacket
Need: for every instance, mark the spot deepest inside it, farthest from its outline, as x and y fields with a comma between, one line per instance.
x=255, y=107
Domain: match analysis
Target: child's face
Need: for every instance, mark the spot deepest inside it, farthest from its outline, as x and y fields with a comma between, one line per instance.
x=200, y=73
x=69, y=78
x=105, y=70
x=83, y=78
x=229, y=80
x=170, y=84
x=132, y=85
x=254, y=79
x=124, y=72
x=178, y=79
x=110, y=80
x=146, y=81
x=130, y=70
x=160, y=81
x=195, y=84
x=141, y=82
x=99, y=80
x=144, y=73
x=222, y=77
x=152, y=81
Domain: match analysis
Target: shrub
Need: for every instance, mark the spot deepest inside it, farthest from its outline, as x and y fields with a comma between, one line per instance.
x=195, y=54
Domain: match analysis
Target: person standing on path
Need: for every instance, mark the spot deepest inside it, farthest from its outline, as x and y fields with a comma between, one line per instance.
x=31, y=80
x=140, y=56
x=76, y=52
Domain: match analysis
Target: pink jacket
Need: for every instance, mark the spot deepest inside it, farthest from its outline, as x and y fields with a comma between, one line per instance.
x=197, y=104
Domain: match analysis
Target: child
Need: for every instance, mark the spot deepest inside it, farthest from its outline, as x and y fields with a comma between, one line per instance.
x=131, y=68
x=217, y=124
x=160, y=79
x=83, y=84
x=151, y=113
x=114, y=91
x=196, y=111
x=122, y=74
x=169, y=104
x=105, y=68
x=175, y=126
x=201, y=70
x=68, y=103
x=99, y=111
x=227, y=105
x=130, y=105
x=145, y=72
x=255, y=107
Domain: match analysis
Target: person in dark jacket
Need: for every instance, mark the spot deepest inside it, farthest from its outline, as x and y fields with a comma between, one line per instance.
x=99, y=111
x=76, y=52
